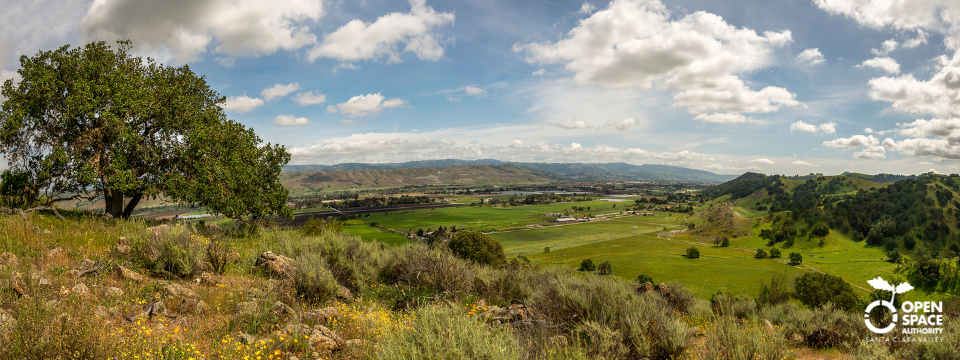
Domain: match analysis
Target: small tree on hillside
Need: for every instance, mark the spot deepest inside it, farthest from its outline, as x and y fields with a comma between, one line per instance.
x=644, y=279
x=477, y=247
x=761, y=254
x=605, y=268
x=796, y=258
x=587, y=265
x=693, y=253
x=774, y=253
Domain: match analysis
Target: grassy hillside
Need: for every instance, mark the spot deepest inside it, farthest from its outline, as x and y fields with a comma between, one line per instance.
x=379, y=178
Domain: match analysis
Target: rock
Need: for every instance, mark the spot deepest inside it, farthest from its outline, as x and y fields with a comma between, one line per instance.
x=72, y=272
x=122, y=241
x=769, y=327
x=298, y=329
x=344, y=294
x=179, y=291
x=516, y=312
x=276, y=265
x=123, y=249
x=81, y=290
x=128, y=274
x=86, y=264
x=9, y=260
x=114, y=292
x=823, y=338
x=644, y=288
x=662, y=289
x=327, y=314
x=158, y=231
x=7, y=322
x=56, y=252
x=150, y=310
x=40, y=279
x=293, y=358
x=796, y=338
x=206, y=279
x=247, y=308
x=101, y=312
x=17, y=285
x=282, y=310
x=246, y=338
x=353, y=343
x=324, y=341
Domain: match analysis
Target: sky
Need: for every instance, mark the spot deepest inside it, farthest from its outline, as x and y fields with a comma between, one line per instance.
x=779, y=87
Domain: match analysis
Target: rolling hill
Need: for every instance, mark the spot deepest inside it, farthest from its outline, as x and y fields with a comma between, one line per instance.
x=573, y=171
x=453, y=175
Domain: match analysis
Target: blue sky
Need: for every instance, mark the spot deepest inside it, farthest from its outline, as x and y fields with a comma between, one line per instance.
x=791, y=87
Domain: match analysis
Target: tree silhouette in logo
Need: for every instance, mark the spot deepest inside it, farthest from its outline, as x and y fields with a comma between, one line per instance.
x=880, y=284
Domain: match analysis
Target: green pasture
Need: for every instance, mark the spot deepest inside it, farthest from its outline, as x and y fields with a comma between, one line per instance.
x=533, y=241
x=370, y=233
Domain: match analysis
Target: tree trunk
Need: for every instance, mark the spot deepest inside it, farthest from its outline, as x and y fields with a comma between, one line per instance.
x=113, y=202
x=131, y=205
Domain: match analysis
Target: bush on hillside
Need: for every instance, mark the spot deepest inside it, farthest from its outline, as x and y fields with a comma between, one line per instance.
x=587, y=265
x=817, y=289
x=605, y=268
x=693, y=253
x=774, y=253
x=477, y=247
x=796, y=258
x=761, y=254
x=174, y=252
x=644, y=279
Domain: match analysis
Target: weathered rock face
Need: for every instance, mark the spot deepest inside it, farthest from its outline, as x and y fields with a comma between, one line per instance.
x=123, y=248
x=114, y=292
x=344, y=294
x=644, y=288
x=7, y=322
x=8, y=260
x=81, y=290
x=128, y=274
x=276, y=265
x=17, y=285
x=823, y=338
x=179, y=291
x=324, y=341
x=326, y=314
x=516, y=312
x=662, y=289
x=283, y=311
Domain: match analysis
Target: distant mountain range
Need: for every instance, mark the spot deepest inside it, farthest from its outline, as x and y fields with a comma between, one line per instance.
x=571, y=171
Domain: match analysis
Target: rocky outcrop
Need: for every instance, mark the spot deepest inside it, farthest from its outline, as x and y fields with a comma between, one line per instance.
x=179, y=291
x=276, y=265
x=644, y=288
x=127, y=274
x=247, y=308
x=823, y=338
x=324, y=341
x=662, y=289
x=17, y=284
x=344, y=294
x=517, y=312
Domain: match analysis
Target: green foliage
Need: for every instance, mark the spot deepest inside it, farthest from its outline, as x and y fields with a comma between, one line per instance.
x=16, y=191
x=820, y=229
x=318, y=227
x=693, y=253
x=313, y=279
x=747, y=341
x=774, y=253
x=817, y=289
x=477, y=247
x=894, y=256
x=909, y=242
x=796, y=258
x=605, y=268
x=725, y=242
x=440, y=332
x=587, y=265
x=761, y=254
x=97, y=121
x=777, y=292
x=644, y=279
x=176, y=251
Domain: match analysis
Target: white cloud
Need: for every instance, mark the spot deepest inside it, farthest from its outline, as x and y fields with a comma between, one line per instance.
x=289, y=120
x=28, y=26
x=242, y=103
x=939, y=96
x=920, y=39
x=720, y=167
x=872, y=131
x=871, y=152
x=312, y=97
x=413, y=31
x=852, y=142
x=182, y=31
x=811, y=57
x=587, y=8
x=366, y=105
x=883, y=63
x=635, y=44
x=936, y=137
x=803, y=163
x=278, y=91
x=762, y=161
x=888, y=46
x=826, y=128
x=901, y=15
x=348, y=66
x=725, y=118
x=622, y=124
x=453, y=99
x=473, y=90
x=540, y=72
x=571, y=124
x=924, y=163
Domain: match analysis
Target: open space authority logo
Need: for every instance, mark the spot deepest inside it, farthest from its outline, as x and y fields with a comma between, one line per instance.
x=918, y=317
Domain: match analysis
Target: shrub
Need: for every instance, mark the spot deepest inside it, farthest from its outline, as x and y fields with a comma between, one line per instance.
x=16, y=190
x=605, y=268
x=796, y=258
x=693, y=253
x=894, y=256
x=761, y=254
x=644, y=279
x=220, y=254
x=820, y=229
x=587, y=265
x=313, y=280
x=432, y=269
x=477, y=247
x=440, y=332
x=816, y=290
x=774, y=253
x=176, y=252
x=909, y=242
x=725, y=242
x=730, y=340
x=317, y=227
x=546, y=249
